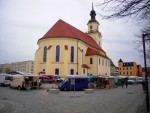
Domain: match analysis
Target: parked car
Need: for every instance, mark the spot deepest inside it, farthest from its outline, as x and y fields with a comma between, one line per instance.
x=141, y=79
x=74, y=82
x=133, y=80
x=50, y=78
x=4, y=80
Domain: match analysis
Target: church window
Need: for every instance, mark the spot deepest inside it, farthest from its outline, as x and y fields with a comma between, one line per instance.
x=45, y=54
x=90, y=27
x=102, y=62
x=71, y=71
x=82, y=56
x=72, y=54
x=57, y=53
x=56, y=71
x=91, y=60
x=99, y=61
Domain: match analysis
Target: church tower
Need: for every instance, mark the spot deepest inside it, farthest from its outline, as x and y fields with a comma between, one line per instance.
x=93, y=28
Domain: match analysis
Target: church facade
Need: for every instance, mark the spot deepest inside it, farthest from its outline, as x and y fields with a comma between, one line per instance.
x=65, y=50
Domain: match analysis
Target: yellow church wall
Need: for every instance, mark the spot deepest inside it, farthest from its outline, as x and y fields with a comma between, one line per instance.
x=94, y=26
x=65, y=63
x=97, y=37
x=103, y=66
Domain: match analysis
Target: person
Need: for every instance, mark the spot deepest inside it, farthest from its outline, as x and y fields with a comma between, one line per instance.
x=122, y=82
x=144, y=86
x=126, y=82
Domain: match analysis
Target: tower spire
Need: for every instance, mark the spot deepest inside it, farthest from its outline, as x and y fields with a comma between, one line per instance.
x=92, y=13
x=92, y=6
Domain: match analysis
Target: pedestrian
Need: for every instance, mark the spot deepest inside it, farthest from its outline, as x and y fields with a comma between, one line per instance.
x=144, y=86
x=126, y=82
x=122, y=82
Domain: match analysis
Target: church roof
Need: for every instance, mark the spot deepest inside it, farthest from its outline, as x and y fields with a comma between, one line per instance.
x=91, y=52
x=62, y=29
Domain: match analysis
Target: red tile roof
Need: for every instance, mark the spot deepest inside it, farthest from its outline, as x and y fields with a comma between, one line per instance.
x=85, y=66
x=90, y=52
x=62, y=29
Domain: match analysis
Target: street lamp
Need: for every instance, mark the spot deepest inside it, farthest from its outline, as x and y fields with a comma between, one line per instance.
x=147, y=90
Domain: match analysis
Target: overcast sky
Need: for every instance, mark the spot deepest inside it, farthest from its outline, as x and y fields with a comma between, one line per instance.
x=23, y=22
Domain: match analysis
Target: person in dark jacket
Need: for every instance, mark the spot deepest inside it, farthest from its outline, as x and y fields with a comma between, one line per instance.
x=144, y=86
x=123, y=82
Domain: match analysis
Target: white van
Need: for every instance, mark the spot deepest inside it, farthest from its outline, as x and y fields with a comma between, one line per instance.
x=4, y=80
x=24, y=81
x=133, y=80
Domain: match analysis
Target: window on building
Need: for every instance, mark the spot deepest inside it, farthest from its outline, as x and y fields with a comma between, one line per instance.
x=130, y=68
x=91, y=60
x=45, y=54
x=106, y=62
x=102, y=61
x=57, y=53
x=82, y=56
x=90, y=27
x=72, y=54
x=43, y=70
x=83, y=71
x=130, y=73
x=71, y=71
x=56, y=71
x=99, y=61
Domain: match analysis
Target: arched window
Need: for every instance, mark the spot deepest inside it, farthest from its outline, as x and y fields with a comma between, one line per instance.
x=99, y=61
x=72, y=54
x=45, y=54
x=90, y=27
x=82, y=56
x=91, y=60
x=57, y=53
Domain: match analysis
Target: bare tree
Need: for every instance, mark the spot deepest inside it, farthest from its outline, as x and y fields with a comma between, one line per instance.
x=137, y=10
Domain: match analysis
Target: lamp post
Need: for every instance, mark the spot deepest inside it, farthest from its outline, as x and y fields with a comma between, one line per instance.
x=147, y=90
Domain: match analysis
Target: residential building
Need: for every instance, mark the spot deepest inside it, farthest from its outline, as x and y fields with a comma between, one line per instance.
x=4, y=68
x=24, y=66
x=129, y=68
x=148, y=71
x=65, y=50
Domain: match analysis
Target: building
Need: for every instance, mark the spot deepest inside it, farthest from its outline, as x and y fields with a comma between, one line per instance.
x=129, y=68
x=24, y=66
x=4, y=68
x=148, y=71
x=65, y=50
x=112, y=69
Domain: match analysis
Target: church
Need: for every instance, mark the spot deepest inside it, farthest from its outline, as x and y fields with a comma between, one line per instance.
x=65, y=50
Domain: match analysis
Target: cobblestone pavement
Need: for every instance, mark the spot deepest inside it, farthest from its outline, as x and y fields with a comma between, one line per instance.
x=115, y=100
